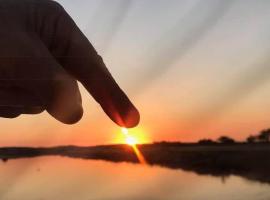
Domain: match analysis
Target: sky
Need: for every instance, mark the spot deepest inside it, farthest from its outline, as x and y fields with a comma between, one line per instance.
x=194, y=68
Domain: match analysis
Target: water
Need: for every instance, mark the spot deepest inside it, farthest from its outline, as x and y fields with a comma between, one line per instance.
x=59, y=178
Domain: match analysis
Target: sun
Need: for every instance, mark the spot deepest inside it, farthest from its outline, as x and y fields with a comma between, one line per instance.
x=133, y=141
x=130, y=139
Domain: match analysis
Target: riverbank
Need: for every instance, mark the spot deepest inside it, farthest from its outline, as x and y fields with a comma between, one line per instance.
x=251, y=161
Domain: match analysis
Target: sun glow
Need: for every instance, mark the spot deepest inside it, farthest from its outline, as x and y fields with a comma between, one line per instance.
x=125, y=131
x=129, y=139
x=132, y=141
x=133, y=138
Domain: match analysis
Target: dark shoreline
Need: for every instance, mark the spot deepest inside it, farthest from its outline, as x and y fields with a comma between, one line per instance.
x=251, y=161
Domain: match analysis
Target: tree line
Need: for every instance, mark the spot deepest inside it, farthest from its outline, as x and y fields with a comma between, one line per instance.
x=262, y=137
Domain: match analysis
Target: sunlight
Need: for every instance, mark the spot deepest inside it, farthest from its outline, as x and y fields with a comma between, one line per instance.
x=131, y=141
x=125, y=131
x=131, y=137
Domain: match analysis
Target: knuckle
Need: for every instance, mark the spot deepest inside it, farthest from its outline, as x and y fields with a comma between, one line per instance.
x=9, y=115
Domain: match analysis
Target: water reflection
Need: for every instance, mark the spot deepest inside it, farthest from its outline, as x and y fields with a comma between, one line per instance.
x=67, y=179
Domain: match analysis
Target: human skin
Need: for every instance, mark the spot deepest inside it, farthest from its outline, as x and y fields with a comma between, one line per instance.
x=42, y=56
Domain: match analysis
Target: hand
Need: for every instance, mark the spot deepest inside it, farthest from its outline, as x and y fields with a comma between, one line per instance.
x=42, y=55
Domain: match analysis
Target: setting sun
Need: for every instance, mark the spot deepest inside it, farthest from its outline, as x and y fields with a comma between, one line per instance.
x=131, y=137
x=131, y=141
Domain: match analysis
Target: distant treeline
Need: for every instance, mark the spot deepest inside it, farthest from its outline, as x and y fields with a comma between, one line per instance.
x=262, y=137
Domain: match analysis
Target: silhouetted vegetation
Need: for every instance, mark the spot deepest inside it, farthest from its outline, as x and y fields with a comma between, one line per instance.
x=165, y=143
x=251, y=139
x=262, y=137
x=226, y=140
x=206, y=142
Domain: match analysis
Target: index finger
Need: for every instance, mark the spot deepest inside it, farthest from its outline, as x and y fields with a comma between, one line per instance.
x=76, y=54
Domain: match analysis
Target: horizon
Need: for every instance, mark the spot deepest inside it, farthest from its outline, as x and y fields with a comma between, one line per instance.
x=203, y=141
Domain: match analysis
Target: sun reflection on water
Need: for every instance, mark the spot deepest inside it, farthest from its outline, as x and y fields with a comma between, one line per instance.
x=132, y=141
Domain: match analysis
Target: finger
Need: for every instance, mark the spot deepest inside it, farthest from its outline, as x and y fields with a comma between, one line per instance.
x=9, y=112
x=75, y=53
x=66, y=102
x=14, y=102
x=59, y=94
x=15, y=111
x=24, y=100
x=41, y=75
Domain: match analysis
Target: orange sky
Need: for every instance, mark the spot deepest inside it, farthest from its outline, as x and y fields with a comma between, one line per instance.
x=191, y=76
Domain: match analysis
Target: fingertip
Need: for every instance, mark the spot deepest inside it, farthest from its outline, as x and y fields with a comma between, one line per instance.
x=71, y=117
x=128, y=118
x=10, y=113
x=75, y=117
x=132, y=119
